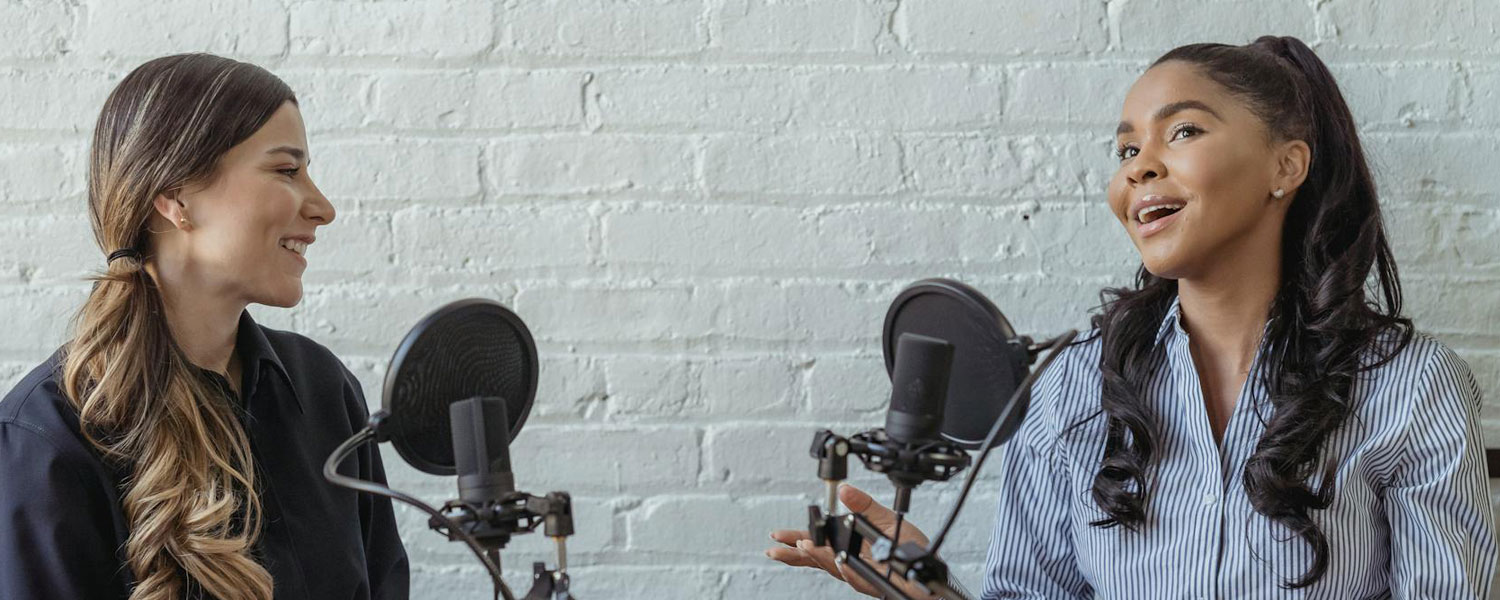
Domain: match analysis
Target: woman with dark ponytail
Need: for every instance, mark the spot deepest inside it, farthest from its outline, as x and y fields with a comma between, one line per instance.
x=1254, y=418
x=173, y=448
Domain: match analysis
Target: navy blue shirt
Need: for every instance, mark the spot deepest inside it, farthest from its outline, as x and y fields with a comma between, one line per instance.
x=63, y=532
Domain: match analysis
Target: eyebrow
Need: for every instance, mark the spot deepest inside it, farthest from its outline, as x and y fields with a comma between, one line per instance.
x=295, y=152
x=1169, y=110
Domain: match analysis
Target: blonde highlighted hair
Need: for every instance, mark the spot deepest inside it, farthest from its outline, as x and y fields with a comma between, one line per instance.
x=190, y=500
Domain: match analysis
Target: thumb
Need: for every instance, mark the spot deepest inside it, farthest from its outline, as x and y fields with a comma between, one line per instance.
x=861, y=503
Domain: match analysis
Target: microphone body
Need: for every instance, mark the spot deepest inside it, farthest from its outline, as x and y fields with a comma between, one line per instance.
x=919, y=389
x=481, y=449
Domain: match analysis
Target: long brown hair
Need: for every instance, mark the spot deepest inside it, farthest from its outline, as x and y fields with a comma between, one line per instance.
x=190, y=498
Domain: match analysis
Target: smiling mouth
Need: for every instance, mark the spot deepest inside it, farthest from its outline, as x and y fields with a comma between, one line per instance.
x=295, y=246
x=1160, y=211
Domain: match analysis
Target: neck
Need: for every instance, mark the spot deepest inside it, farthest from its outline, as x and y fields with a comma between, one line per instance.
x=204, y=322
x=1226, y=313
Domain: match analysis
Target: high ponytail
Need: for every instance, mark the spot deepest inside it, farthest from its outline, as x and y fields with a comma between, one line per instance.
x=190, y=498
x=1321, y=320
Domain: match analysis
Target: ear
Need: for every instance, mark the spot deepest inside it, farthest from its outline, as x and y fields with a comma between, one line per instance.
x=169, y=205
x=1293, y=159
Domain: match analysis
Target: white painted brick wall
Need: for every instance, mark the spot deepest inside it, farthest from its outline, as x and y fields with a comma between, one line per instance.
x=703, y=207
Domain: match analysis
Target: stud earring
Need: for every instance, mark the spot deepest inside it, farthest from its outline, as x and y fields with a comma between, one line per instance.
x=1278, y=193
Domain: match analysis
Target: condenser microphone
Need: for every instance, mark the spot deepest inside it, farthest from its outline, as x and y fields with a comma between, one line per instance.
x=481, y=449
x=919, y=389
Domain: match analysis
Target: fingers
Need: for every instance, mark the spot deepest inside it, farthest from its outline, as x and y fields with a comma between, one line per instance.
x=789, y=536
x=860, y=502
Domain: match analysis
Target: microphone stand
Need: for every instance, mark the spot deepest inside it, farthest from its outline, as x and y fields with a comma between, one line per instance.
x=846, y=534
x=484, y=529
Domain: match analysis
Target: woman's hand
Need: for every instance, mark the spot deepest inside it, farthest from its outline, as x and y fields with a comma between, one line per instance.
x=799, y=551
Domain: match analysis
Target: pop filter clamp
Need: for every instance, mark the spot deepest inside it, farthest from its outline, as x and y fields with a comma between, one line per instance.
x=489, y=511
x=907, y=465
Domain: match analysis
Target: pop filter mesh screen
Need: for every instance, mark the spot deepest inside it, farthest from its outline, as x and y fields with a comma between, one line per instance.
x=464, y=350
x=987, y=367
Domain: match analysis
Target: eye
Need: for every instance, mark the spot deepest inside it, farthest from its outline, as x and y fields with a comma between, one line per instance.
x=1124, y=152
x=1186, y=128
x=292, y=172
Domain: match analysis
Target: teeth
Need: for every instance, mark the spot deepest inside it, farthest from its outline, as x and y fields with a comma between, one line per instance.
x=297, y=246
x=1151, y=209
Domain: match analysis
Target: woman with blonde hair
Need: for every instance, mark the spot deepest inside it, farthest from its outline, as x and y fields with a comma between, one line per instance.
x=173, y=447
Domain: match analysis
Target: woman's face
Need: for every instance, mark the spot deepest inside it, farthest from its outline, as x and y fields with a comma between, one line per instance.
x=1186, y=144
x=249, y=228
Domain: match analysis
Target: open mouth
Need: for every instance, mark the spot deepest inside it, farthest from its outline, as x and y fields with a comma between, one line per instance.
x=1156, y=218
x=295, y=246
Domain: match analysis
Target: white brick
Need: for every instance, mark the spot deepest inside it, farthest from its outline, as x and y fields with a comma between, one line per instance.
x=740, y=528
x=428, y=28
x=1140, y=22
x=1084, y=93
x=1414, y=26
x=905, y=97
x=57, y=173
x=48, y=29
x=240, y=28
x=752, y=386
x=1009, y=166
x=617, y=312
x=1450, y=162
x=995, y=28
x=398, y=172
x=39, y=319
x=649, y=386
x=491, y=238
x=638, y=459
x=585, y=164
x=488, y=99
x=800, y=27
x=1399, y=95
x=832, y=164
x=736, y=237
x=692, y=97
x=594, y=28
x=330, y=99
x=52, y=249
x=63, y=99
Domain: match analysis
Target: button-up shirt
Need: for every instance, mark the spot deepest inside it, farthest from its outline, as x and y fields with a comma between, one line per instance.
x=1410, y=516
x=62, y=529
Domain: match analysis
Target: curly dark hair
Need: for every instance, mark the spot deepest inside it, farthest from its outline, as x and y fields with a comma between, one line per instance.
x=1320, y=320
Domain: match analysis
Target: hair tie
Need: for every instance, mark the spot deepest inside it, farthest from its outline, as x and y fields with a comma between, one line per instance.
x=124, y=253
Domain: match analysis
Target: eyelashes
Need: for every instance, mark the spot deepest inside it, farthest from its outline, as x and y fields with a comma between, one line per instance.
x=1121, y=151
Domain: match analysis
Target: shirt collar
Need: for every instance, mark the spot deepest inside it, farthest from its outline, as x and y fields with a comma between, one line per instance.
x=255, y=351
x=1171, y=322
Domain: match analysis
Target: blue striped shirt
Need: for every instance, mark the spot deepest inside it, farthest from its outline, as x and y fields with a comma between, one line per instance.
x=1410, y=516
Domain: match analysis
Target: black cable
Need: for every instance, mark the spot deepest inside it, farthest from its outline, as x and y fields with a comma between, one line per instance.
x=330, y=472
x=989, y=440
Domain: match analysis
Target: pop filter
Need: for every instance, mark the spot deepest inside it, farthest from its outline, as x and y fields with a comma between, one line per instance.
x=989, y=360
x=466, y=349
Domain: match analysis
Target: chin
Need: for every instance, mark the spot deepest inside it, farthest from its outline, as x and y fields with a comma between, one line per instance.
x=285, y=298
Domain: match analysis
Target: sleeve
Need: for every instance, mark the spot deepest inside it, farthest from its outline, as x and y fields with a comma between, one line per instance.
x=1031, y=549
x=385, y=556
x=1442, y=528
x=56, y=537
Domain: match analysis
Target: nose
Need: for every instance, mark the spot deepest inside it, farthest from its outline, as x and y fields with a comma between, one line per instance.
x=316, y=207
x=1145, y=167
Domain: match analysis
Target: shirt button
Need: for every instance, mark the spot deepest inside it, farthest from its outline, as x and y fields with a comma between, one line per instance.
x=1209, y=498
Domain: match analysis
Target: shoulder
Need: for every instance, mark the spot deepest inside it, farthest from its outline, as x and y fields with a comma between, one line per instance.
x=1423, y=367
x=40, y=434
x=1065, y=395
